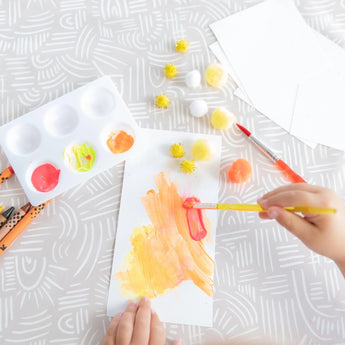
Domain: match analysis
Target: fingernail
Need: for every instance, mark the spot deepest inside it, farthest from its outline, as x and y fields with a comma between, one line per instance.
x=133, y=305
x=263, y=203
x=144, y=301
x=153, y=311
x=273, y=214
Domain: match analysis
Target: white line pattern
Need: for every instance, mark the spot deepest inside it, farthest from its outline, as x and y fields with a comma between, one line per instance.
x=54, y=280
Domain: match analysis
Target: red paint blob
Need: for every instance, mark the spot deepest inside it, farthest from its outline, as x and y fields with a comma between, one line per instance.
x=195, y=222
x=45, y=178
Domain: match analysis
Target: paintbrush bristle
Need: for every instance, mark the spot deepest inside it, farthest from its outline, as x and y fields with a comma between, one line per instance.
x=244, y=130
x=188, y=203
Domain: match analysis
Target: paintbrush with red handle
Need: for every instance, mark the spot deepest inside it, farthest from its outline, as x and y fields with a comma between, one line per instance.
x=278, y=163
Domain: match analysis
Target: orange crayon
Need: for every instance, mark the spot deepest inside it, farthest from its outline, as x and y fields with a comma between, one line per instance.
x=21, y=226
x=6, y=174
x=11, y=222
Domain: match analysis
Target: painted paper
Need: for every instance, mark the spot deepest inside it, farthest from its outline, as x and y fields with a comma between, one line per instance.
x=155, y=255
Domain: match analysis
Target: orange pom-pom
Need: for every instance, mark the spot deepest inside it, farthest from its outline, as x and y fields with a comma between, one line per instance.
x=239, y=171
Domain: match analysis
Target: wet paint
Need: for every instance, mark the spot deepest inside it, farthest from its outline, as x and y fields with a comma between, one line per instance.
x=197, y=229
x=80, y=157
x=45, y=178
x=119, y=142
x=163, y=253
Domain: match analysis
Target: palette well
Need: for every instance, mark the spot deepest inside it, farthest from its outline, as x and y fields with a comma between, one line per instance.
x=67, y=141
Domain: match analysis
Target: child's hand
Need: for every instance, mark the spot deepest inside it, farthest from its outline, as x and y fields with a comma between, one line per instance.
x=137, y=325
x=323, y=233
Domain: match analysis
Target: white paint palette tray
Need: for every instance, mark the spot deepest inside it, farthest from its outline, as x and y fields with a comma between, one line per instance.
x=69, y=140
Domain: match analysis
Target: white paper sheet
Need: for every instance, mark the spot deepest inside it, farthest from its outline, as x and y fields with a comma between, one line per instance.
x=240, y=93
x=275, y=57
x=186, y=304
x=320, y=109
x=320, y=102
x=272, y=50
x=334, y=53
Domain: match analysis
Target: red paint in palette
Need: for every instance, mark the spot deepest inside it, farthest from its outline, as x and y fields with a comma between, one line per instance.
x=45, y=178
x=197, y=229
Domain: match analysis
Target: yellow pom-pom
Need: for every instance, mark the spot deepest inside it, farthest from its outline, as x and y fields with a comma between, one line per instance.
x=201, y=150
x=187, y=166
x=182, y=46
x=162, y=101
x=177, y=150
x=222, y=118
x=215, y=75
x=170, y=70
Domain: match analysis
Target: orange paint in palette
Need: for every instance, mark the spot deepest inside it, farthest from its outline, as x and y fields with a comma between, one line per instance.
x=163, y=253
x=67, y=141
x=119, y=142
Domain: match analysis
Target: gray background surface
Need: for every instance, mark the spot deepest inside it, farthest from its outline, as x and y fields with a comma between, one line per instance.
x=54, y=279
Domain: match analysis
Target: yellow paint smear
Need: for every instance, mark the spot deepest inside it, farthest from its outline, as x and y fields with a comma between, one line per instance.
x=163, y=254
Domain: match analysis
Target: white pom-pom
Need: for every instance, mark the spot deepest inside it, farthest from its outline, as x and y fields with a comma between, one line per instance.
x=198, y=108
x=193, y=79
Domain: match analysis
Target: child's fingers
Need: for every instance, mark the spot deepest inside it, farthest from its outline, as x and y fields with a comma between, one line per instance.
x=125, y=327
x=294, y=223
x=109, y=338
x=291, y=198
x=293, y=187
x=141, y=332
x=264, y=215
x=157, y=335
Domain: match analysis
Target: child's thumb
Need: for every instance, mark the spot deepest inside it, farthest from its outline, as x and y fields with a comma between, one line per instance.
x=296, y=224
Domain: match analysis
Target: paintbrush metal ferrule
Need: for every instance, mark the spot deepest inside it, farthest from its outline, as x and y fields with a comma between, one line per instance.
x=206, y=205
x=265, y=149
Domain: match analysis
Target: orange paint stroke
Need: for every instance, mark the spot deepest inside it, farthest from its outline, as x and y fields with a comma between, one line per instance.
x=163, y=254
x=119, y=142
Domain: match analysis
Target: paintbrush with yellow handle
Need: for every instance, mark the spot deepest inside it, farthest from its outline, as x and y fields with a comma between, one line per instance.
x=258, y=208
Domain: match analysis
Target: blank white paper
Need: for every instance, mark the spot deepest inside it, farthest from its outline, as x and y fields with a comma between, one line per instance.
x=271, y=50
